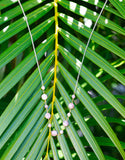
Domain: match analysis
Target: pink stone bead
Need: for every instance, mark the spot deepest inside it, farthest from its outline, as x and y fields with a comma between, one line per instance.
x=65, y=123
x=69, y=114
x=49, y=125
x=46, y=106
x=61, y=132
x=47, y=115
x=54, y=133
x=73, y=96
x=71, y=105
x=44, y=97
x=43, y=88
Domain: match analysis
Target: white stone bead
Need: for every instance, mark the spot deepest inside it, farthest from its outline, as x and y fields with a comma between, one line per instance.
x=73, y=96
x=71, y=105
x=49, y=125
x=54, y=133
x=46, y=106
x=69, y=114
x=43, y=88
x=44, y=97
x=65, y=123
x=61, y=132
x=47, y=115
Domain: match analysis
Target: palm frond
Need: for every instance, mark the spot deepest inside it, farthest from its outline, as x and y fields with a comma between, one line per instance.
x=24, y=131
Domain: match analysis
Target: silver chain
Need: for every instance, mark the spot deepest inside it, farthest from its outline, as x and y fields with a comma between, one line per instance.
x=78, y=76
x=88, y=45
x=33, y=45
x=44, y=96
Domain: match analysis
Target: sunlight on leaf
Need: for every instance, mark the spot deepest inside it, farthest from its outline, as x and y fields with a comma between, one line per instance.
x=84, y=87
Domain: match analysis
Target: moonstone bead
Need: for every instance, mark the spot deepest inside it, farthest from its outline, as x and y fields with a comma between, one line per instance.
x=46, y=106
x=73, y=96
x=61, y=132
x=69, y=114
x=65, y=123
x=44, y=97
x=43, y=88
x=47, y=115
x=54, y=133
x=71, y=105
x=49, y=125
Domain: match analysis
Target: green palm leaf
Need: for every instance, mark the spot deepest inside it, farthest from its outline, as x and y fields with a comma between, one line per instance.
x=98, y=115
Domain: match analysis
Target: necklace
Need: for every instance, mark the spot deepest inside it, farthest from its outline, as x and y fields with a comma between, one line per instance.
x=49, y=116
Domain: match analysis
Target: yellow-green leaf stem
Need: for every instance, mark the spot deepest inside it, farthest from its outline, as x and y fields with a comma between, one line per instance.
x=55, y=70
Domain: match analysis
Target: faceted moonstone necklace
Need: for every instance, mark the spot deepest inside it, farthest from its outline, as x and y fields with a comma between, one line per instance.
x=44, y=95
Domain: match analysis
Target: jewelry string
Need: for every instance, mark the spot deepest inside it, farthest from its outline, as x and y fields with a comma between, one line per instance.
x=44, y=96
x=31, y=37
x=88, y=44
